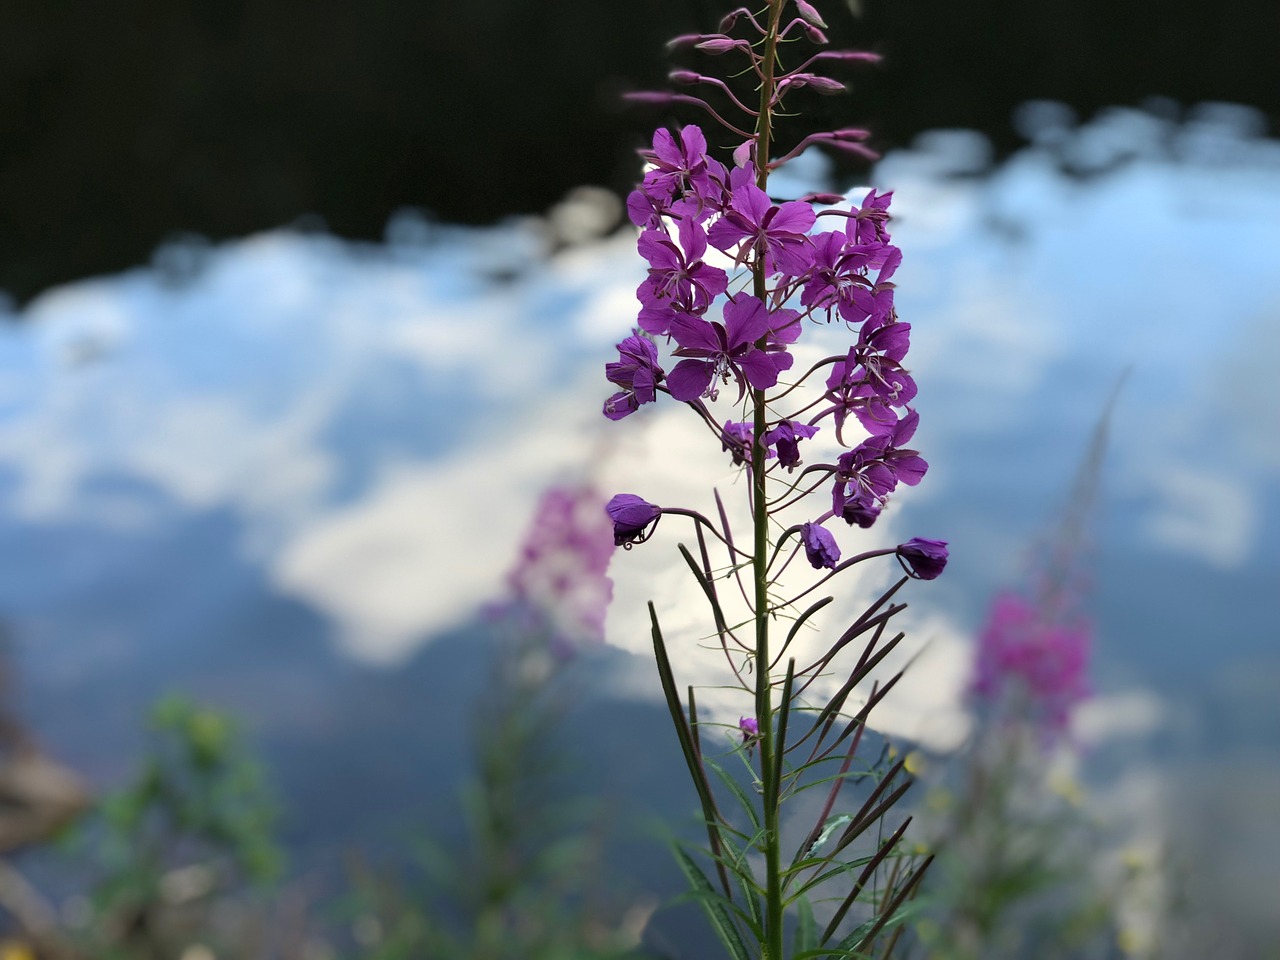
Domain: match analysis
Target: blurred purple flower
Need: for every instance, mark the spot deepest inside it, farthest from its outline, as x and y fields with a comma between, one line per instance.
x=1022, y=649
x=559, y=585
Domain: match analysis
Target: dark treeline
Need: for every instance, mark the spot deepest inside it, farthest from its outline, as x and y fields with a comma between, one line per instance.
x=125, y=122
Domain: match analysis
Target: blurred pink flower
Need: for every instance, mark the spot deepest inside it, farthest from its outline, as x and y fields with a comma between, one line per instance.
x=1032, y=658
x=559, y=583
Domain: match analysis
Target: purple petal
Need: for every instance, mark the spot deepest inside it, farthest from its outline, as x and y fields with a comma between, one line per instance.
x=695, y=333
x=746, y=320
x=794, y=216
x=690, y=379
x=910, y=469
x=762, y=369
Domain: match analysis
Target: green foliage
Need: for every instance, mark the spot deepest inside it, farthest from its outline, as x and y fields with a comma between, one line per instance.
x=195, y=825
x=523, y=883
x=847, y=868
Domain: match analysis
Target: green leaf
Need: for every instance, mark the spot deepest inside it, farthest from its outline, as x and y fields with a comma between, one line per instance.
x=736, y=789
x=903, y=914
x=828, y=828
x=717, y=908
x=806, y=937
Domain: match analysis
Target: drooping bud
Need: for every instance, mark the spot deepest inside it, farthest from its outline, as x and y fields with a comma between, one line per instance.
x=820, y=546
x=686, y=77
x=923, y=559
x=633, y=518
x=815, y=35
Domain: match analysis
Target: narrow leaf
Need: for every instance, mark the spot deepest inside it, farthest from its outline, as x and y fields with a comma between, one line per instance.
x=717, y=910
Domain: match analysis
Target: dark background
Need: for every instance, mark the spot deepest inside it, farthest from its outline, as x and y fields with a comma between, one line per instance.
x=125, y=123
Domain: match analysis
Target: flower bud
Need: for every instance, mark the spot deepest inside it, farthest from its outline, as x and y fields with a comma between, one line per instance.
x=815, y=35
x=633, y=518
x=923, y=559
x=820, y=546
x=823, y=198
x=716, y=45
x=818, y=83
x=809, y=13
x=684, y=76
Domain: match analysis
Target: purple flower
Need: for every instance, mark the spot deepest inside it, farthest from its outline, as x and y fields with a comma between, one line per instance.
x=679, y=165
x=871, y=218
x=728, y=351
x=786, y=436
x=873, y=302
x=736, y=438
x=923, y=559
x=684, y=180
x=870, y=381
x=872, y=470
x=861, y=508
x=750, y=728
x=776, y=234
x=678, y=279
x=637, y=372
x=633, y=519
x=820, y=546
x=1024, y=648
x=838, y=266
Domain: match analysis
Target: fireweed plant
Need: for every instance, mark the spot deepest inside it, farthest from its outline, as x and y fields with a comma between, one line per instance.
x=1019, y=851
x=730, y=334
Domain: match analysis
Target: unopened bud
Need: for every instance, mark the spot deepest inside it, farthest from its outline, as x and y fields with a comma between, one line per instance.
x=827, y=198
x=809, y=13
x=857, y=149
x=744, y=153
x=849, y=56
x=650, y=96
x=815, y=35
x=718, y=45
x=818, y=83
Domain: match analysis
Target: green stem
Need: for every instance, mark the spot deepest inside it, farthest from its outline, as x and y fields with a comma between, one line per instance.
x=771, y=788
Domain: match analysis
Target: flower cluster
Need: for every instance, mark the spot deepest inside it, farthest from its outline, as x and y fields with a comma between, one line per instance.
x=734, y=276
x=721, y=334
